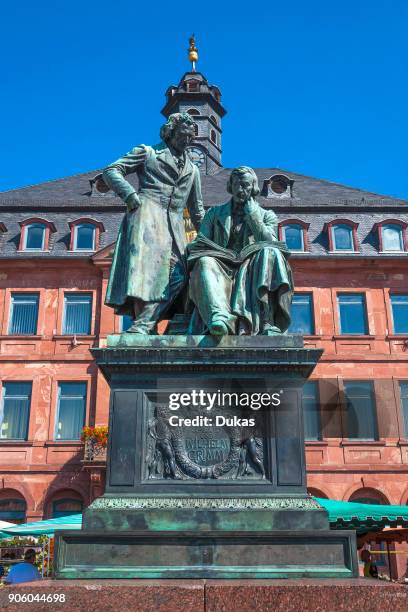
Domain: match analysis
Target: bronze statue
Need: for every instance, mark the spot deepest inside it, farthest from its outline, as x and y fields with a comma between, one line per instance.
x=240, y=281
x=148, y=268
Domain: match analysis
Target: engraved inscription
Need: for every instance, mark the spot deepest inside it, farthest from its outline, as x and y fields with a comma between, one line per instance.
x=207, y=451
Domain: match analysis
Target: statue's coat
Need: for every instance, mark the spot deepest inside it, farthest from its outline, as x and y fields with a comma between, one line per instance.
x=264, y=276
x=141, y=262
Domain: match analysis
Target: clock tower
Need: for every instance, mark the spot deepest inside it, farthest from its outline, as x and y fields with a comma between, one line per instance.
x=194, y=95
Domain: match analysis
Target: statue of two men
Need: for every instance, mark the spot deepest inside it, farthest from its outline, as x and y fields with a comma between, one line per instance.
x=236, y=270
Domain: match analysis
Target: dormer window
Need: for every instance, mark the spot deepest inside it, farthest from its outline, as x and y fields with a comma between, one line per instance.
x=294, y=233
x=392, y=239
x=34, y=237
x=277, y=186
x=35, y=234
x=392, y=236
x=85, y=235
x=84, y=238
x=342, y=235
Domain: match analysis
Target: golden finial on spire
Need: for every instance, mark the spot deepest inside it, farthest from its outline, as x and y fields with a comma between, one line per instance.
x=192, y=53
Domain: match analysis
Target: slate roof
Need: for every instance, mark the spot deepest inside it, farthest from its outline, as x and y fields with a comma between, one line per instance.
x=314, y=201
x=76, y=191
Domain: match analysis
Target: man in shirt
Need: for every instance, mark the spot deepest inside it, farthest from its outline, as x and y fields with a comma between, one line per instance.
x=25, y=571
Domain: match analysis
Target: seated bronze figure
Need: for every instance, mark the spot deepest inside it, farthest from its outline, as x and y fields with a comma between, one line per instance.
x=240, y=279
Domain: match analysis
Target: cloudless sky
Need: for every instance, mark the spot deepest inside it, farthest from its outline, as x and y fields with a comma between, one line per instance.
x=317, y=87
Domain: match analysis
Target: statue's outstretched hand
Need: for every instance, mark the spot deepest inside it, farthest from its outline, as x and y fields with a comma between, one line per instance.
x=132, y=202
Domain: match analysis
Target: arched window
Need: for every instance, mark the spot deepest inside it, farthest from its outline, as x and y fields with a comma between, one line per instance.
x=293, y=235
x=213, y=136
x=64, y=503
x=342, y=238
x=195, y=129
x=392, y=239
x=193, y=111
x=34, y=237
x=13, y=507
x=84, y=239
x=342, y=235
x=391, y=234
x=65, y=507
x=35, y=234
x=85, y=234
x=367, y=495
x=213, y=119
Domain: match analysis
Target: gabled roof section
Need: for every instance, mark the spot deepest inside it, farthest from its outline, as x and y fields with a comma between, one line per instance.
x=76, y=191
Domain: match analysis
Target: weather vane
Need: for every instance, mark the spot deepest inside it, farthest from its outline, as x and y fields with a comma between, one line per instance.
x=193, y=53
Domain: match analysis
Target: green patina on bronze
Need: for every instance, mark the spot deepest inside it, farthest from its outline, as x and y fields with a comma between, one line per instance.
x=236, y=269
x=241, y=282
x=148, y=269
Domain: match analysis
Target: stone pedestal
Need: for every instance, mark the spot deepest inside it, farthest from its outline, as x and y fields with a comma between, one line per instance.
x=206, y=470
x=209, y=595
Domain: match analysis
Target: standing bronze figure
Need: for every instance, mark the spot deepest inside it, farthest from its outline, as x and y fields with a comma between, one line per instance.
x=148, y=268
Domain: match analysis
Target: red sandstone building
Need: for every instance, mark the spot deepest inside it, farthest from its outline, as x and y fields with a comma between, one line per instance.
x=351, y=277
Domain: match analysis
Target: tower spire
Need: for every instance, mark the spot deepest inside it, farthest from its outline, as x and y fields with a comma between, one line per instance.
x=193, y=53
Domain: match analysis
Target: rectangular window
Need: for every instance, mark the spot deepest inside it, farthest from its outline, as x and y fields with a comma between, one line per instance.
x=361, y=418
x=399, y=305
x=301, y=314
x=23, y=313
x=311, y=411
x=77, y=313
x=71, y=410
x=352, y=313
x=404, y=405
x=15, y=413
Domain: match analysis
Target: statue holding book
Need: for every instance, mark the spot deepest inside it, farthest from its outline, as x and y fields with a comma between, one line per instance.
x=240, y=278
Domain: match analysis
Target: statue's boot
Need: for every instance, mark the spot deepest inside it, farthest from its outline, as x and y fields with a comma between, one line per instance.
x=217, y=328
x=271, y=330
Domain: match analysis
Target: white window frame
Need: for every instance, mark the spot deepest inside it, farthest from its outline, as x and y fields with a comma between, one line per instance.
x=401, y=237
x=76, y=237
x=26, y=228
x=353, y=246
x=300, y=227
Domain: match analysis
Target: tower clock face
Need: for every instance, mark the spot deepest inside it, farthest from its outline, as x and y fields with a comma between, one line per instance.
x=196, y=156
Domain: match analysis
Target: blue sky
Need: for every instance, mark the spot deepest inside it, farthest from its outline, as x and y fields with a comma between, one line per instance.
x=315, y=87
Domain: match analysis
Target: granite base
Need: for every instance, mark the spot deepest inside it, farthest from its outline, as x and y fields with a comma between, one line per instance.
x=211, y=595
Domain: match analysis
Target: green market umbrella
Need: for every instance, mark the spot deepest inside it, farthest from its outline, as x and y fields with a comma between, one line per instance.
x=71, y=522
x=363, y=517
